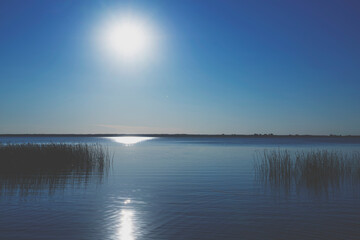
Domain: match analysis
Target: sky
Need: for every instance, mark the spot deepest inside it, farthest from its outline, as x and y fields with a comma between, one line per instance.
x=213, y=67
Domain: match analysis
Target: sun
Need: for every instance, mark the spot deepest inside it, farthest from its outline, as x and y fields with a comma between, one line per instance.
x=128, y=38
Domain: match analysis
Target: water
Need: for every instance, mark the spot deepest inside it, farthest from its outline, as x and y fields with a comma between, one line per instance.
x=181, y=188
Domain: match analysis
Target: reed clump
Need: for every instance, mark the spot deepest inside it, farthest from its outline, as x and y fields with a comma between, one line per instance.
x=29, y=166
x=316, y=170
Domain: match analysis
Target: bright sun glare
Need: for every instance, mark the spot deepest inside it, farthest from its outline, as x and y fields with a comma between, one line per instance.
x=127, y=37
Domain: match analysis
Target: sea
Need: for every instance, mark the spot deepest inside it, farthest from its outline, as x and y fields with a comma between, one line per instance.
x=182, y=187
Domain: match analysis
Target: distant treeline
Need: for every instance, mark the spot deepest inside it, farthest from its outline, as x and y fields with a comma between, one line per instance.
x=180, y=135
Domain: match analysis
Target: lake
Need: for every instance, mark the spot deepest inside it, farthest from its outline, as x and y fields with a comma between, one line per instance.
x=182, y=188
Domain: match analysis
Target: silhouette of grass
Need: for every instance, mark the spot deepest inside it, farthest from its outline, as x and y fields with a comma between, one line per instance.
x=34, y=166
x=318, y=170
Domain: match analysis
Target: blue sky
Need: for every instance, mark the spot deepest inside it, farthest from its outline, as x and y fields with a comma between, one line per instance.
x=282, y=67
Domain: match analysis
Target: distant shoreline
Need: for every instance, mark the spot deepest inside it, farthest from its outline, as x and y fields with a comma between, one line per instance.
x=183, y=135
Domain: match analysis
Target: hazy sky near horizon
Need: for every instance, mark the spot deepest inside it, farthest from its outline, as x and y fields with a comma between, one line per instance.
x=213, y=67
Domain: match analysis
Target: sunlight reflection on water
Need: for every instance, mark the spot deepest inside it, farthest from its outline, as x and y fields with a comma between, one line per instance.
x=126, y=226
x=129, y=140
x=125, y=222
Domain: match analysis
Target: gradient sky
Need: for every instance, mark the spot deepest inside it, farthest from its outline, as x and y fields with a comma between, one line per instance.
x=244, y=67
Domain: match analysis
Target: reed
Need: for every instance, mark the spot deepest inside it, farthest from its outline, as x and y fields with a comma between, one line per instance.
x=33, y=166
x=316, y=170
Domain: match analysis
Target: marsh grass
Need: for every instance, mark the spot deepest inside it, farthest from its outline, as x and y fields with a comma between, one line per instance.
x=30, y=167
x=316, y=171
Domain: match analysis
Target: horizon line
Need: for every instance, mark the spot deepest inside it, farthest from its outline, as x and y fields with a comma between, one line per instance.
x=171, y=135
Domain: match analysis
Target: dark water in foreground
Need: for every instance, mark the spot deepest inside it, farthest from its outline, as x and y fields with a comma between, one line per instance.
x=181, y=188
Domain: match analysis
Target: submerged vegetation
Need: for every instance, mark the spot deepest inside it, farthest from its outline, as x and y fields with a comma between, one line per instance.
x=30, y=166
x=317, y=171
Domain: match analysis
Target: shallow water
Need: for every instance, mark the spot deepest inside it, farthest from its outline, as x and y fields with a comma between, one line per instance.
x=182, y=188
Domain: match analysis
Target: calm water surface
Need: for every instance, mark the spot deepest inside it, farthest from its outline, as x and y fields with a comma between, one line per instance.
x=181, y=188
